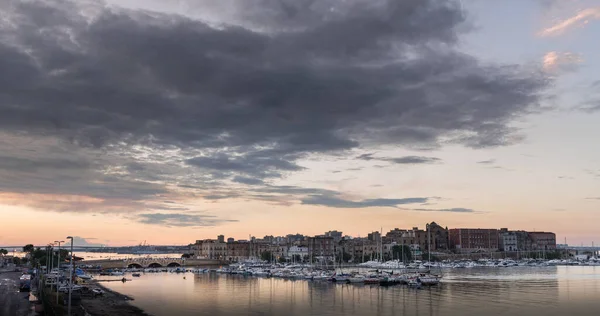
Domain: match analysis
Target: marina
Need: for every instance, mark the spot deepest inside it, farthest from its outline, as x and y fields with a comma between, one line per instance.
x=519, y=290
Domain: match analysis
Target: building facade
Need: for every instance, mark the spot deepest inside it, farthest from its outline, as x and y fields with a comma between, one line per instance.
x=337, y=236
x=297, y=251
x=473, y=239
x=414, y=238
x=209, y=249
x=439, y=237
x=543, y=240
x=508, y=241
x=321, y=247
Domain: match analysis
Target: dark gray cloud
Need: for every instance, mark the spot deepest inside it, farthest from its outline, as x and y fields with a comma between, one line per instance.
x=139, y=102
x=251, y=164
x=249, y=181
x=449, y=210
x=335, y=201
x=487, y=162
x=415, y=160
x=25, y=164
x=593, y=198
x=406, y=160
x=179, y=220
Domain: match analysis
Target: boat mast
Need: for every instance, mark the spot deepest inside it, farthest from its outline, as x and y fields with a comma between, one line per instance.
x=428, y=244
x=381, y=244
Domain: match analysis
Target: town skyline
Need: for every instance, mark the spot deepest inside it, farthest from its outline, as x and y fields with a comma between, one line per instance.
x=89, y=242
x=169, y=121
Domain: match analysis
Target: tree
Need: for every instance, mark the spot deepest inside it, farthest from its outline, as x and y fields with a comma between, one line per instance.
x=282, y=259
x=28, y=248
x=425, y=256
x=3, y=252
x=266, y=256
x=346, y=256
x=64, y=255
x=402, y=251
x=187, y=255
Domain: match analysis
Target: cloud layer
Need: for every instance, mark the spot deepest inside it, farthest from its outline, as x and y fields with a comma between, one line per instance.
x=131, y=107
x=179, y=220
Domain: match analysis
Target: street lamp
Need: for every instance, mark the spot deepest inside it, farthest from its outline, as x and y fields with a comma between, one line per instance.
x=58, y=266
x=70, y=276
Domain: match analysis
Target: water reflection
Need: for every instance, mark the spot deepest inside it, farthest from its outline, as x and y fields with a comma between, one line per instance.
x=509, y=291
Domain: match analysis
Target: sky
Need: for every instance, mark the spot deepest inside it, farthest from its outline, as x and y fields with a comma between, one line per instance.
x=125, y=121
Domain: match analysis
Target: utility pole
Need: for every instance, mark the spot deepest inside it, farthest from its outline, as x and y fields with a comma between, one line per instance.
x=70, y=276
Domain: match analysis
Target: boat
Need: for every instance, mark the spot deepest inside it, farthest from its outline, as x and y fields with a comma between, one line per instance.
x=84, y=276
x=388, y=281
x=340, y=278
x=358, y=278
x=424, y=279
x=98, y=292
x=136, y=275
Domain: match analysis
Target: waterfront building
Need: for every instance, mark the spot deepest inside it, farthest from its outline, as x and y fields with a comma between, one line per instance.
x=415, y=238
x=508, y=241
x=543, y=240
x=321, y=246
x=337, y=236
x=297, y=251
x=238, y=250
x=473, y=239
x=209, y=249
x=439, y=237
x=374, y=236
x=294, y=238
x=514, y=240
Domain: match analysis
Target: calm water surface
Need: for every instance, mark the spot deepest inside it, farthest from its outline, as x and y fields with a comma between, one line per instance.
x=479, y=291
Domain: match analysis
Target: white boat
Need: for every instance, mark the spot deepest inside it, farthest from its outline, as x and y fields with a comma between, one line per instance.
x=358, y=278
x=424, y=279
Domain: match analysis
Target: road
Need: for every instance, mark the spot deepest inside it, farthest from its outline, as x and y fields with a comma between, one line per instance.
x=13, y=302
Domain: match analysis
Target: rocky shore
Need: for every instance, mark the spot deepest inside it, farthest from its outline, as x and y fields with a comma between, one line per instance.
x=111, y=303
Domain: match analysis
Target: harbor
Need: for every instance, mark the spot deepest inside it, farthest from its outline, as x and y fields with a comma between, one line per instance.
x=100, y=291
x=520, y=290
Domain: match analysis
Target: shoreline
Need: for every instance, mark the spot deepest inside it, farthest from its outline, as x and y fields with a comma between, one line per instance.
x=111, y=303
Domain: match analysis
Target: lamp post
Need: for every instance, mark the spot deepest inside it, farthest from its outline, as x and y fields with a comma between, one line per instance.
x=58, y=266
x=70, y=276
